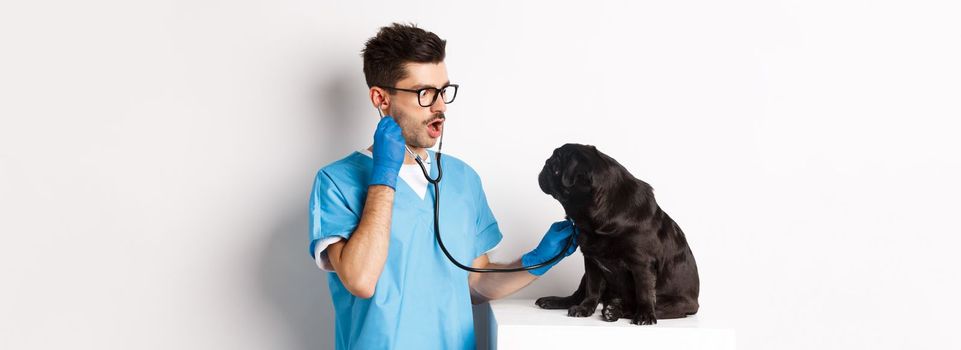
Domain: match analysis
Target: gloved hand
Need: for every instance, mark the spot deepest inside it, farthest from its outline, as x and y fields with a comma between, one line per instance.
x=556, y=238
x=388, y=153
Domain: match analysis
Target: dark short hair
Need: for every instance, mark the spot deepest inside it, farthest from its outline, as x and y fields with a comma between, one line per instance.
x=386, y=53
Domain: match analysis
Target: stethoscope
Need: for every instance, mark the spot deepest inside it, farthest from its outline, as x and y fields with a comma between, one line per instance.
x=440, y=242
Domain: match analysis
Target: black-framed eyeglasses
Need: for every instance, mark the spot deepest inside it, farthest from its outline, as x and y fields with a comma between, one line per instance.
x=429, y=94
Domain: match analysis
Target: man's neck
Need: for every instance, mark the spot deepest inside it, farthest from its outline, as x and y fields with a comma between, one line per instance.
x=407, y=158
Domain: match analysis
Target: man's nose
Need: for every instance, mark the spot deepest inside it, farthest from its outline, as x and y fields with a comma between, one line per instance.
x=439, y=106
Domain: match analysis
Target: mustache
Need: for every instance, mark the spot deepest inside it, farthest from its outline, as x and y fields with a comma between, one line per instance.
x=438, y=116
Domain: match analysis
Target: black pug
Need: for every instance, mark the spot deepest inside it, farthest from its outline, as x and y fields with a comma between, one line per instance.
x=636, y=259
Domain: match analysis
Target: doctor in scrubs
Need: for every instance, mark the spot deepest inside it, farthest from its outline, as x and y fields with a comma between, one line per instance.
x=371, y=215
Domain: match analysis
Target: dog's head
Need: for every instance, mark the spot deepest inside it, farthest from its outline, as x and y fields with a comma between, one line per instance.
x=568, y=175
x=589, y=184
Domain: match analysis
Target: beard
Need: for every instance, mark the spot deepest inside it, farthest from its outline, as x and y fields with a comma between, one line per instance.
x=415, y=131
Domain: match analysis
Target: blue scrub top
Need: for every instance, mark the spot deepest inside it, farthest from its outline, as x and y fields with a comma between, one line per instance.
x=421, y=301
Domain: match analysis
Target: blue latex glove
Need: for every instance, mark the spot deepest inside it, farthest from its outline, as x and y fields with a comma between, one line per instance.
x=388, y=153
x=554, y=240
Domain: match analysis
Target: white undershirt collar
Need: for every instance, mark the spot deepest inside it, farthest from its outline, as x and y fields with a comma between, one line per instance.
x=411, y=174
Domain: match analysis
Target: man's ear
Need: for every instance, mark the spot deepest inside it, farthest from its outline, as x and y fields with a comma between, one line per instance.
x=379, y=98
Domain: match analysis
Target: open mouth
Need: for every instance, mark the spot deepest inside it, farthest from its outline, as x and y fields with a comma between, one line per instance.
x=435, y=127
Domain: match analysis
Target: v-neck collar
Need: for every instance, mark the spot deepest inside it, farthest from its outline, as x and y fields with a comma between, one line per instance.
x=415, y=171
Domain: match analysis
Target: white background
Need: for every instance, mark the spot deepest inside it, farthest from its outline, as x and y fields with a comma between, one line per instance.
x=156, y=157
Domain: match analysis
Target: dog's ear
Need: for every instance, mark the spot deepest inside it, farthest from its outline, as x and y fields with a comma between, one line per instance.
x=607, y=174
x=594, y=152
x=572, y=175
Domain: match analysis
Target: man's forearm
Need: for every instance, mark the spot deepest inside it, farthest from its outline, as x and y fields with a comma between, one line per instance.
x=365, y=253
x=492, y=286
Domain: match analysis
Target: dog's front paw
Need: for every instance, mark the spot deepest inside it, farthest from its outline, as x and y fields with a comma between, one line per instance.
x=553, y=303
x=644, y=317
x=580, y=311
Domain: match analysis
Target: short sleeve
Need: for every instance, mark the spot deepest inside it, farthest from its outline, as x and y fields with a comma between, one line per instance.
x=488, y=233
x=331, y=218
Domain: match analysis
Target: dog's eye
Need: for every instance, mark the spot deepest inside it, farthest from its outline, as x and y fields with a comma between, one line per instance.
x=557, y=172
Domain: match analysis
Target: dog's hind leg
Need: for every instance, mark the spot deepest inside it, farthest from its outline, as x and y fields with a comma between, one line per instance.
x=674, y=310
x=563, y=302
x=674, y=307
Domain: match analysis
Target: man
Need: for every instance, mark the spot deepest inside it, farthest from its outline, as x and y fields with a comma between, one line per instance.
x=392, y=286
